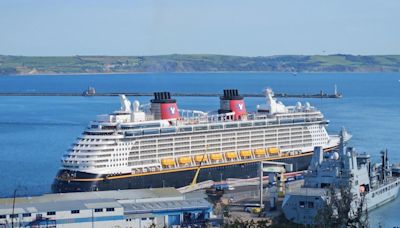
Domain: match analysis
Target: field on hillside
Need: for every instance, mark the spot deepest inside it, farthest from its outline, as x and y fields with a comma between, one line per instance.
x=10, y=65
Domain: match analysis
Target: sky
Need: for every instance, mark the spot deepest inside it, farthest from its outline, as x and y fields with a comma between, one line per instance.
x=232, y=27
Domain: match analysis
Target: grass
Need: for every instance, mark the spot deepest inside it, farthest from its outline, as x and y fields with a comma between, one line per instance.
x=197, y=63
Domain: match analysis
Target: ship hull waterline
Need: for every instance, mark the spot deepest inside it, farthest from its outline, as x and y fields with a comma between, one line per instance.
x=83, y=182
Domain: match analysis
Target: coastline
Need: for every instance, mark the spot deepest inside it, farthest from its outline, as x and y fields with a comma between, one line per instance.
x=196, y=63
x=196, y=72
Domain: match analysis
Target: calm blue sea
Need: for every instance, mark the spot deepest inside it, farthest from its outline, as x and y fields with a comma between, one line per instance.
x=35, y=131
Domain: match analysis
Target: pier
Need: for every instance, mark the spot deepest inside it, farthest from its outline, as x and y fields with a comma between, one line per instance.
x=147, y=94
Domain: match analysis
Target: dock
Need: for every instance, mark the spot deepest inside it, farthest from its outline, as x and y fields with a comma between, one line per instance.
x=147, y=94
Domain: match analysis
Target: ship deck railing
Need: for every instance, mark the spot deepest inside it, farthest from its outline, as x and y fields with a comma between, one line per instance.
x=218, y=126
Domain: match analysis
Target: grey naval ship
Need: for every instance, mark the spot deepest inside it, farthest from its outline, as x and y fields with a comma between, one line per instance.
x=374, y=182
x=160, y=145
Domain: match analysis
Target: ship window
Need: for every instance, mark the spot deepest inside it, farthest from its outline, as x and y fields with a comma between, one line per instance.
x=168, y=130
x=231, y=125
x=108, y=127
x=302, y=204
x=51, y=213
x=110, y=209
x=245, y=124
x=310, y=204
x=26, y=215
x=14, y=216
x=185, y=129
x=200, y=128
x=151, y=132
x=150, y=125
x=75, y=212
x=298, y=120
x=124, y=127
x=2, y=216
x=98, y=210
x=260, y=123
x=216, y=127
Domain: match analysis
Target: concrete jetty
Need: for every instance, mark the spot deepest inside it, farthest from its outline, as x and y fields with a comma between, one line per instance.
x=136, y=94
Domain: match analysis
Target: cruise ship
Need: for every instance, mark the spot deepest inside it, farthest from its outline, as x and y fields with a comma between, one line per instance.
x=159, y=145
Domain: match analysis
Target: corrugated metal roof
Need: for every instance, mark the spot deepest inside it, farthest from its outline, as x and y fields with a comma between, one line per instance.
x=134, y=208
x=102, y=205
x=131, y=194
x=133, y=201
x=5, y=211
x=58, y=206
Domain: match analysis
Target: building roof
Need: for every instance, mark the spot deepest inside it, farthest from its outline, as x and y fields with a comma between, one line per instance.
x=131, y=194
x=40, y=207
x=193, y=204
x=132, y=201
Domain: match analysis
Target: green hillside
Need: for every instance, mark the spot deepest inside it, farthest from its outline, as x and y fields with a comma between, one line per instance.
x=11, y=65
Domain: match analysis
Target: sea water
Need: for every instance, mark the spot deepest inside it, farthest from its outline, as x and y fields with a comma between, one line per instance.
x=36, y=131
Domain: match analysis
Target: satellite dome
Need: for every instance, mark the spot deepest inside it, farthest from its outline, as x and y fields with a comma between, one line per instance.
x=335, y=156
x=136, y=106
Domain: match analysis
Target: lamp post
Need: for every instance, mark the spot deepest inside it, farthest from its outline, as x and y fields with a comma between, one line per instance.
x=261, y=185
x=13, y=207
x=18, y=187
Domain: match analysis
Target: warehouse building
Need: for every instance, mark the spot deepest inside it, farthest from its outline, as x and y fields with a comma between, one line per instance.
x=137, y=208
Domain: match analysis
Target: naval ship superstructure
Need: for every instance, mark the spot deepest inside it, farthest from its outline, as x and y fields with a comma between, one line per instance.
x=373, y=184
x=159, y=145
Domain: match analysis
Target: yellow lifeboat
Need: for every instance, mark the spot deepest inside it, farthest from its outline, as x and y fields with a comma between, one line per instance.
x=245, y=153
x=273, y=150
x=200, y=158
x=185, y=160
x=216, y=157
x=231, y=155
x=259, y=152
x=168, y=162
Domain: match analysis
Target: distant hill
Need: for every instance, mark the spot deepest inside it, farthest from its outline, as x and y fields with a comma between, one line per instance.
x=11, y=65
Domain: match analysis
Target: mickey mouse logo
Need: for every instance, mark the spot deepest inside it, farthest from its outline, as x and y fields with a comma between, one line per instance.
x=240, y=106
x=172, y=110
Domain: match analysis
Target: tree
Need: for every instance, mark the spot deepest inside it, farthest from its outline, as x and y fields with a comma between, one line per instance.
x=226, y=212
x=343, y=209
